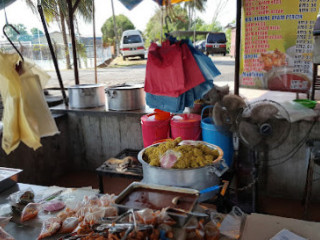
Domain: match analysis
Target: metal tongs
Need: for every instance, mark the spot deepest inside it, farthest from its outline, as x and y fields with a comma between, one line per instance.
x=116, y=227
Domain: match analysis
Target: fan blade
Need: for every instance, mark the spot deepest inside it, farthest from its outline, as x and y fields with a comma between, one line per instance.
x=249, y=133
x=262, y=112
x=280, y=131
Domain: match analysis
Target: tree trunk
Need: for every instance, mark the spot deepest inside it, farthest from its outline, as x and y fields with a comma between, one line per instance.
x=77, y=26
x=65, y=39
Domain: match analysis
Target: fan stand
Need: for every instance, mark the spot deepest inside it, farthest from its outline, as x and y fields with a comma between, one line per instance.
x=312, y=161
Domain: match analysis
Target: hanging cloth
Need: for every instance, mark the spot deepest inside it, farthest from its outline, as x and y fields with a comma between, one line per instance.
x=164, y=70
x=26, y=116
x=171, y=70
x=178, y=104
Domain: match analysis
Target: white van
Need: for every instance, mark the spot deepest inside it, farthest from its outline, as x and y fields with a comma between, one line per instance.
x=132, y=44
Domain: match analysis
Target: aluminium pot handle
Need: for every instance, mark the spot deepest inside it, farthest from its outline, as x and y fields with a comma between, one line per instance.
x=219, y=169
x=112, y=94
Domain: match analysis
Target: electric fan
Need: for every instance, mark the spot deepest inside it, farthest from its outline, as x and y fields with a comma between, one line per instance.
x=263, y=125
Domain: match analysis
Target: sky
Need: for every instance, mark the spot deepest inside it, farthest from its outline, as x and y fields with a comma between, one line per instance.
x=18, y=12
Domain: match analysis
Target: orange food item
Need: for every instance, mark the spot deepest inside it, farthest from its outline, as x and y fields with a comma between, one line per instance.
x=276, y=58
x=50, y=227
x=30, y=211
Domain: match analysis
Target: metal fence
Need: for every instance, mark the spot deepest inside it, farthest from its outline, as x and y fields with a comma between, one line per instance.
x=40, y=54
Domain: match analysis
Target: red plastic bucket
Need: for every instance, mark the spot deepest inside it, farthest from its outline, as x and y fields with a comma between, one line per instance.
x=154, y=129
x=186, y=126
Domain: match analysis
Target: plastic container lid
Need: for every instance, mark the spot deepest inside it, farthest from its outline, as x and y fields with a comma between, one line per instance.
x=150, y=119
x=186, y=119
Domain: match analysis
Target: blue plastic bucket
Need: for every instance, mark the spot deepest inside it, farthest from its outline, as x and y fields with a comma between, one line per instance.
x=211, y=134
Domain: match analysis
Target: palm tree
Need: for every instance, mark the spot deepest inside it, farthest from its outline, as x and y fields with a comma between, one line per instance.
x=193, y=5
x=57, y=10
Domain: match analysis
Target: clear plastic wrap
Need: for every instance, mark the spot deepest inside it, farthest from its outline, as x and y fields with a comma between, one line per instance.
x=231, y=224
x=4, y=221
x=146, y=216
x=30, y=211
x=22, y=197
x=94, y=216
x=211, y=231
x=69, y=224
x=4, y=235
x=169, y=158
x=91, y=200
x=110, y=212
x=53, y=206
x=50, y=227
x=5, y=209
x=106, y=200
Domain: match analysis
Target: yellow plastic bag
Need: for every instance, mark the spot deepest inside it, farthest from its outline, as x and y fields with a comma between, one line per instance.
x=30, y=66
x=10, y=92
x=35, y=107
x=26, y=115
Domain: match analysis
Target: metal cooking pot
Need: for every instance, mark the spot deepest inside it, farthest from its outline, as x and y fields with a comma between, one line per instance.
x=126, y=97
x=196, y=178
x=86, y=95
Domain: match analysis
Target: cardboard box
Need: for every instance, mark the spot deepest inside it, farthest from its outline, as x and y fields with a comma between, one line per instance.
x=264, y=227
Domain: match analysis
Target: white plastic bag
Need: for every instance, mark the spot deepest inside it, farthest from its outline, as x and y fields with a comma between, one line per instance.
x=297, y=111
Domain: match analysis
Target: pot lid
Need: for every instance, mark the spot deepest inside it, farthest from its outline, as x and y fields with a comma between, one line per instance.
x=86, y=86
x=151, y=118
x=125, y=87
x=186, y=118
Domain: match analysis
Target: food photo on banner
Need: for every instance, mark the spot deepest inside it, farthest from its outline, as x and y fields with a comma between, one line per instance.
x=277, y=44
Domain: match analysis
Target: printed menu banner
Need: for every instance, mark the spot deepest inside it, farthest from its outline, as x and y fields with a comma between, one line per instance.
x=277, y=44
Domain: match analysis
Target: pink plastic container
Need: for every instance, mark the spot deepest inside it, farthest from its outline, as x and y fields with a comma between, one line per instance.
x=153, y=129
x=186, y=126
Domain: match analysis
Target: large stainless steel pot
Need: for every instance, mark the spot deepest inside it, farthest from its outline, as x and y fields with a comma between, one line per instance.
x=196, y=178
x=87, y=95
x=126, y=97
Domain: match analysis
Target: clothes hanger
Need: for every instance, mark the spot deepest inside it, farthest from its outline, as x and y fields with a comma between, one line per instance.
x=7, y=37
x=12, y=44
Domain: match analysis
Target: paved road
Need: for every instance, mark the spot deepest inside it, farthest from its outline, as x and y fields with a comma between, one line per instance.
x=136, y=74
x=132, y=74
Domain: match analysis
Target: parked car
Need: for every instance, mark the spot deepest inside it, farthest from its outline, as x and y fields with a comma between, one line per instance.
x=132, y=44
x=216, y=43
x=200, y=45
